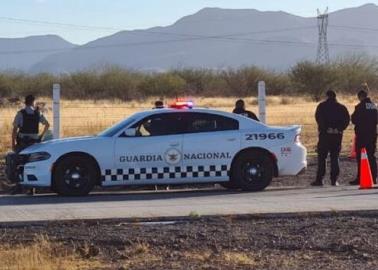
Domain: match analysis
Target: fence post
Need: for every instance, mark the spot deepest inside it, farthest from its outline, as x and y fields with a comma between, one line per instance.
x=262, y=101
x=56, y=110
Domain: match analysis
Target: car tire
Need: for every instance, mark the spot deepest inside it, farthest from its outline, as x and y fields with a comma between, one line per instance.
x=252, y=171
x=75, y=175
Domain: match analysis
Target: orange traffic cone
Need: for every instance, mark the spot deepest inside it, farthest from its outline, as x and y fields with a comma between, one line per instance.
x=353, y=153
x=366, y=179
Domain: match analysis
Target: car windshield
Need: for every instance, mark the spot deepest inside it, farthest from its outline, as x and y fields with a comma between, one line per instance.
x=110, y=132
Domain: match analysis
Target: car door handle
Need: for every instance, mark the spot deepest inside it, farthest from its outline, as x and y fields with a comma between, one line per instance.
x=231, y=139
x=174, y=144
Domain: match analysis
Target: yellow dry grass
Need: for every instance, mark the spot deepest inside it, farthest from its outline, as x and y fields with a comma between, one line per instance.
x=86, y=117
x=42, y=254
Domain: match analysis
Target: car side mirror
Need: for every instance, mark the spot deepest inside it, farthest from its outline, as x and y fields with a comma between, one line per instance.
x=130, y=132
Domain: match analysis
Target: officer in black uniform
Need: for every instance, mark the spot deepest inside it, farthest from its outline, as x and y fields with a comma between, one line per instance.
x=240, y=109
x=364, y=119
x=159, y=104
x=332, y=119
x=26, y=129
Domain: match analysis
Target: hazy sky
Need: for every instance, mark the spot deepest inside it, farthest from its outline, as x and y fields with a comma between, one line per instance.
x=129, y=14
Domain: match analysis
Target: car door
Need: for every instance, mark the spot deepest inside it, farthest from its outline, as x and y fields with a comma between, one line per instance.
x=153, y=155
x=210, y=143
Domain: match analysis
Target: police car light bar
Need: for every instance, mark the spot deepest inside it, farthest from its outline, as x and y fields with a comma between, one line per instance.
x=178, y=104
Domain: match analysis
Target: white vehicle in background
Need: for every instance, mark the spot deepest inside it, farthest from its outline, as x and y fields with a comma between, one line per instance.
x=177, y=145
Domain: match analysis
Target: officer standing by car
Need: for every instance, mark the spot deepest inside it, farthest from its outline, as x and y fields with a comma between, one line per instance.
x=159, y=104
x=240, y=109
x=26, y=128
x=332, y=119
x=364, y=119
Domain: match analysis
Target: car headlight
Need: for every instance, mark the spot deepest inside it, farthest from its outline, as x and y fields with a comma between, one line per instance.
x=38, y=156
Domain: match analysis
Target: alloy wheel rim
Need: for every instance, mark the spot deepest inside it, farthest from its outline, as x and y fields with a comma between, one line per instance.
x=253, y=172
x=76, y=176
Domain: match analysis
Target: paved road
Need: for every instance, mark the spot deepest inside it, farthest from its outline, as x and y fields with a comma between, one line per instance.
x=182, y=203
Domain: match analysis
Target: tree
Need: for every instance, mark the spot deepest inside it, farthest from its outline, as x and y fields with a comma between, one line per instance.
x=313, y=78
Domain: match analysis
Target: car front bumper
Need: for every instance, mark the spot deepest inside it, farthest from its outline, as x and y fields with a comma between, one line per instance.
x=36, y=174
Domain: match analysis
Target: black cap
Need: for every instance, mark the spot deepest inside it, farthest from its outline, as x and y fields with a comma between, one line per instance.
x=29, y=99
x=331, y=94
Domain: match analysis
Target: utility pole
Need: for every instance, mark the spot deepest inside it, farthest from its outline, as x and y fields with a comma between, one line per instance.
x=323, y=52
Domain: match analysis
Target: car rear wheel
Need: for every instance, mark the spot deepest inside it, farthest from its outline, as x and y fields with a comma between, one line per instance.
x=252, y=171
x=75, y=176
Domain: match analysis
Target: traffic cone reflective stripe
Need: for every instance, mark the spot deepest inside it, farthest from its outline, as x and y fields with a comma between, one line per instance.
x=366, y=178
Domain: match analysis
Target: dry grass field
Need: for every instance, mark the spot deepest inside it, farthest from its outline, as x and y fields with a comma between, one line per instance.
x=87, y=117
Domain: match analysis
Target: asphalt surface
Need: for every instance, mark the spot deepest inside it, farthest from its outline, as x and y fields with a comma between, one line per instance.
x=108, y=205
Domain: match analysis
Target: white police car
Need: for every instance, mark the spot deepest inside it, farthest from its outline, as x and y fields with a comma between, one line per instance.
x=167, y=146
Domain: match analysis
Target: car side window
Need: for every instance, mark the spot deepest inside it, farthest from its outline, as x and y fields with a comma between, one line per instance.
x=160, y=125
x=205, y=122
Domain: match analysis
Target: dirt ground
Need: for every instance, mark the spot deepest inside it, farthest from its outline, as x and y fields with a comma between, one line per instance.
x=303, y=241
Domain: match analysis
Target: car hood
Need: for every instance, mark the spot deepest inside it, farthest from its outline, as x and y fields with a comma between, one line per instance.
x=44, y=146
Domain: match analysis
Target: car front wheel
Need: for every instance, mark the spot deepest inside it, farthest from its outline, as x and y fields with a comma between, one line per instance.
x=75, y=176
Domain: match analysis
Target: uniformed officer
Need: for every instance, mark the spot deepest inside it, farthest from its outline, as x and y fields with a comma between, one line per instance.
x=332, y=119
x=26, y=126
x=26, y=129
x=240, y=109
x=159, y=104
x=364, y=119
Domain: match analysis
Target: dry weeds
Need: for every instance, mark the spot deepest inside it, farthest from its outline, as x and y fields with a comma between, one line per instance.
x=43, y=254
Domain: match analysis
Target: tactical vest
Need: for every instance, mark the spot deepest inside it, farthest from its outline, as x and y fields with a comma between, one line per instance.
x=30, y=122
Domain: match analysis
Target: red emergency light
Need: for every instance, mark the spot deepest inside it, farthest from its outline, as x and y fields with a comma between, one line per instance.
x=181, y=104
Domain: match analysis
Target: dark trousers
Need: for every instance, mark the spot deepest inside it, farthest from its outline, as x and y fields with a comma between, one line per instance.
x=329, y=144
x=370, y=145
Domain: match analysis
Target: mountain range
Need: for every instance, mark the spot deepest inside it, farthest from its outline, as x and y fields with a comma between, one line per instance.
x=211, y=38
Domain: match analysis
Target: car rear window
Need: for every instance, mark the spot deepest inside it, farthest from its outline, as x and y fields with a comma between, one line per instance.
x=206, y=122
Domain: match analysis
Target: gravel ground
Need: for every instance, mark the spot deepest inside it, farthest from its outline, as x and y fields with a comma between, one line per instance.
x=303, y=241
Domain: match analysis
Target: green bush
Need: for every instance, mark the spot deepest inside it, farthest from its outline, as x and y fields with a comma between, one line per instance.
x=313, y=79
x=345, y=75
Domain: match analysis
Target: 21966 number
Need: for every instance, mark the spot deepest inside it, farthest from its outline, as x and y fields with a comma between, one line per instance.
x=265, y=136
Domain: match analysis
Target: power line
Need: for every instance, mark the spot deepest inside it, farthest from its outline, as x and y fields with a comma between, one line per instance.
x=224, y=38
x=77, y=26
x=91, y=27
x=156, y=42
x=109, y=28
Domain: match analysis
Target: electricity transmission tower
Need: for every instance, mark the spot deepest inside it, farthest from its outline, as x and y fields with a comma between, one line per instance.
x=323, y=53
